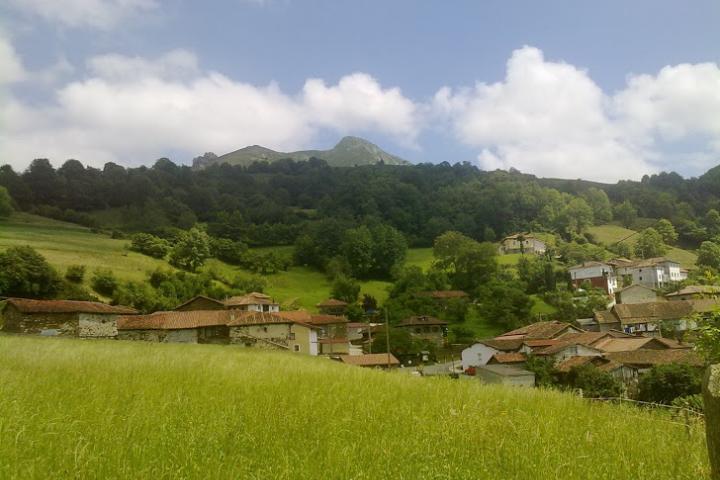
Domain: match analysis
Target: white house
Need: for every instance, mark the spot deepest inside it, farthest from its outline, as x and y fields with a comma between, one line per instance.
x=598, y=274
x=481, y=352
x=252, y=302
x=505, y=375
x=653, y=272
x=522, y=243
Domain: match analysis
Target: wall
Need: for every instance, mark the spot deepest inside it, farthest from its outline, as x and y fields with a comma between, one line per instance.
x=93, y=325
x=163, y=336
x=51, y=324
x=249, y=335
x=637, y=295
x=305, y=341
x=201, y=304
x=478, y=354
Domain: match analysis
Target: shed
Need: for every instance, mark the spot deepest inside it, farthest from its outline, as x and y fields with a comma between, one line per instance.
x=197, y=326
x=505, y=375
x=62, y=317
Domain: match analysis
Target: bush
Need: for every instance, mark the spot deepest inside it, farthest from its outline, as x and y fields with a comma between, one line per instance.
x=191, y=250
x=593, y=382
x=104, y=281
x=665, y=383
x=150, y=245
x=75, y=273
x=229, y=251
x=346, y=289
x=26, y=273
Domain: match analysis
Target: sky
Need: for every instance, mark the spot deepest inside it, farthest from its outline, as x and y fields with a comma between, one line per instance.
x=570, y=89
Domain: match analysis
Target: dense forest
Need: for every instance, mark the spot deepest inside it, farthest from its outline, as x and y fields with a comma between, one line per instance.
x=273, y=204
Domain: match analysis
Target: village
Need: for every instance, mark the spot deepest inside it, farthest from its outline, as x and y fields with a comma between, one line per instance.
x=639, y=329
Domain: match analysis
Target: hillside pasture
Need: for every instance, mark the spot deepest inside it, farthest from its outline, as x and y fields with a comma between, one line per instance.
x=113, y=409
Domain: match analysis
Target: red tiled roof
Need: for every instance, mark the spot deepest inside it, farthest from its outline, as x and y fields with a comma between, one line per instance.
x=253, y=298
x=199, y=297
x=257, y=318
x=503, y=345
x=538, y=330
x=332, y=302
x=370, y=359
x=326, y=319
x=567, y=364
x=27, y=305
x=175, y=320
x=641, y=358
x=513, y=357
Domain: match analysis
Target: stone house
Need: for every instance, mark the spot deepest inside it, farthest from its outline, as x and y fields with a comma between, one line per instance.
x=505, y=375
x=597, y=274
x=252, y=302
x=201, y=302
x=694, y=292
x=522, y=243
x=195, y=326
x=62, y=317
x=332, y=333
x=426, y=328
x=648, y=317
x=274, y=331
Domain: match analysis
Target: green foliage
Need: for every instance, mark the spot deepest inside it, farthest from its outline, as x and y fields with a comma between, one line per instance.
x=707, y=336
x=600, y=204
x=26, y=273
x=142, y=296
x=345, y=288
x=504, y=303
x=6, y=208
x=467, y=263
x=594, y=383
x=544, y=370
x=538, y=274
x=665, y=383
x=650, y=244
x=626, y=213
x=691, y=402
x=104, y=281
x=666, y=231
x=150, y=245
x=229, y=251
x=709, y=255
x=191, y=250
x=75, y=273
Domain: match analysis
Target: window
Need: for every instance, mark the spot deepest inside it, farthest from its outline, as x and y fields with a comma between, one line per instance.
x=296, y=348
x=291, y=336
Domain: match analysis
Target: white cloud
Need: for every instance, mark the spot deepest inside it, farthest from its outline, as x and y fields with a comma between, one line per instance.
x=102, y=14
x=133, y=110
x=11, y=68
x=358, y=102
x=551, y=119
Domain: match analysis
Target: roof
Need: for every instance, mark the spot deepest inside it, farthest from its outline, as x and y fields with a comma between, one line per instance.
x=636, y=343
x=200, y=297
x=619, y=262
x=509, y=345
x=252, y=298
x=174, y=320
x=370, y=359
x=559, y=347
x=421, y=320
x=538, y=330
x=644, y=358
x=320, y=319
x=444, y=294
x=583, y=338
x=635, y=286
x=545, y=342
x=569, y=363
x=27, y=305
x=696, y=290
x=591, y=263
x=505, y=370
x=526, y=236
x=650, y=262
x=512, y=357
x=332, y=302
x=630, y=313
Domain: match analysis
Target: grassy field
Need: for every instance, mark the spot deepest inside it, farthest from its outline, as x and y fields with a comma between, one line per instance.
x=86, y=409
x=609, y=234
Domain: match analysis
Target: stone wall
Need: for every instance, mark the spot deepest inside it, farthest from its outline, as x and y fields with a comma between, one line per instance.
x=93, y=325
x=50, y=324
x=261, y=336
x=162, y=336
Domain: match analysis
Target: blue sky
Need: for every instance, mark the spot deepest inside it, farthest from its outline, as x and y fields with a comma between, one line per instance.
x=599, y=90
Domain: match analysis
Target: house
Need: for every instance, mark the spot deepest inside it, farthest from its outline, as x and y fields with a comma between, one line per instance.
x=505, y=375
x=251, y=302
x=568, y=349
x=510, y=358
x=62, y=317
x=694, y=292
x=274, y=331
x=648, y=317
x=640, y=361
x=332, y=306
x=332, y=330
x=597, y=274
x=636, y=294
x=652, y=272
x=482, y=351
x=371, y=360
x=194, y=326
x=522, y=243
x=426, y=328
x=539, y=330
x=632, y=343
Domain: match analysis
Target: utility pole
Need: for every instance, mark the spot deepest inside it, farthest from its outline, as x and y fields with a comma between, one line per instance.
x=387, y=338
x=369, y=327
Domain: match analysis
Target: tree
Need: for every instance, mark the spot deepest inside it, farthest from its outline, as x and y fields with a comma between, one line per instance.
x=26, y=273
x=709, y=255
x=505, y=304
x=665, y=383
x=712, y=222
x=650, y=244
x=467, y=263
x=104, y=281
x=229, y=251
x=626, y=213
x=600, y=205
x=593, y=382
x=346, y=289
x=75, y=273
x=666, y=231
x=191, y=250
x=6, y=207
x=149, y=245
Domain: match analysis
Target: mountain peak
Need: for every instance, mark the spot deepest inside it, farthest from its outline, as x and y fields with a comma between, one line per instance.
x=350, y=151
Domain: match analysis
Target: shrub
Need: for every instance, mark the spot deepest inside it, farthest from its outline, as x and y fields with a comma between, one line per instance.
x=346, y=289
x=665, y=383
x=26, y=273
x=104, y=281
x=593, y=382
x=229, y=251
x=75, y=273
x=149, y=245
x=191, y=250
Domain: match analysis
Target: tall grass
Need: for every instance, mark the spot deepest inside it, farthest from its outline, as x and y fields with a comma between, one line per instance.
x=78, y=409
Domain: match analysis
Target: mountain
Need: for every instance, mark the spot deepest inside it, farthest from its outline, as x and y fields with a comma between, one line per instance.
x=349, y=152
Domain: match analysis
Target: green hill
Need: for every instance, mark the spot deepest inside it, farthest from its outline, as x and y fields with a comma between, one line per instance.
x=113, y=409
x=349, y=152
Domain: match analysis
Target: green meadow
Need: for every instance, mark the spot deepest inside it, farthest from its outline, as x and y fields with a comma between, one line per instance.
x=113, y=409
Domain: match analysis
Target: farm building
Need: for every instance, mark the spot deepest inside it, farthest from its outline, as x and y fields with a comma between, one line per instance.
x=201, y=302
x=636, y=294
x=252, y=302
x=274, y=331
x=372, y=360
x=694, y=292
x=332, y=306
x=505, y=375
x=62, y=317
x=426, y=328
x=197, y=326
x=647, y=317
x=332, y=333
x=522, y=243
